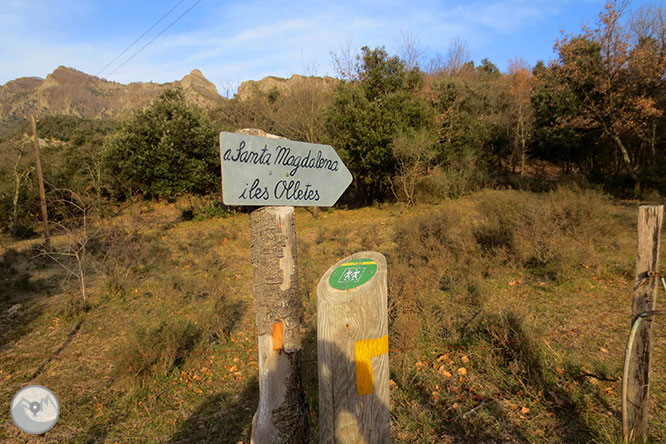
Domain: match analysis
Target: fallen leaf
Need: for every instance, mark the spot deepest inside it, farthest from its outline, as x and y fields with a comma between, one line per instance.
x=462, y=371
x=444, y=372
x=524, y=410
x=465, y=359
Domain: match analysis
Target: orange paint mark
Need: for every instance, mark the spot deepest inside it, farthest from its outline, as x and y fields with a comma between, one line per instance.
x=363, y=351
x=278, y=333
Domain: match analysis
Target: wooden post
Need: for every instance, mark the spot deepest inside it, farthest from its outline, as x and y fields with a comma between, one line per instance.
x=636, y=379
x=259, y=172
x=352, y=349
x=282, y=414
x=40, y=180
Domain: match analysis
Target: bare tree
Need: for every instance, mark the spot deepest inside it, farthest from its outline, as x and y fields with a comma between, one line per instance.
x=298, y=112
x=414, y=153
x=40, y=182
x=436, y=64
x=457, y=55
x=522, y=112
x=409, y=49
x=75, y=234
x=19, y=177
x=346, y=61
x=310, y=67
x=229, y=88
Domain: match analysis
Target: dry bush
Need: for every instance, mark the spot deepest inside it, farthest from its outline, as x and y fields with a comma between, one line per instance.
x=551, y=236
x=371, y=238
x=448, y=261
x=460, y=176
x=433, y=283
x=158, y=348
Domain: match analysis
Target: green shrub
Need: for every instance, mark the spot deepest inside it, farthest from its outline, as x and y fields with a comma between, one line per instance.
x=166, y=150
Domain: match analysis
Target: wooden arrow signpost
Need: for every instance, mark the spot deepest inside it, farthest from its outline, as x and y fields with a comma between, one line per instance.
x=271, y=171
x=275, y=175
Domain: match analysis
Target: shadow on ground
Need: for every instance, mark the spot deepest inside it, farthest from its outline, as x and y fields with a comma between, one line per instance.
x=227, y=417
x=20, y=294
x=222, y=418
x=522, y=368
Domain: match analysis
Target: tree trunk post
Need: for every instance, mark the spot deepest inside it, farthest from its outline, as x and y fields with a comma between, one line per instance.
x=40, y=180
x=352, y=351
x=282, y=414
x=17, y=189
x=636, y=380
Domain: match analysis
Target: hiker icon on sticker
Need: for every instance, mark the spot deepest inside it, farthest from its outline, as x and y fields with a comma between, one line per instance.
x=353, y=274
x=35, y=409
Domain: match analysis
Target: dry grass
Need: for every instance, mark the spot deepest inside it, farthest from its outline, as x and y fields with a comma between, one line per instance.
x=508, y=317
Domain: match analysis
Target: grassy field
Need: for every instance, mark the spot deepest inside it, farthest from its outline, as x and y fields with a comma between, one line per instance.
x=509, y=313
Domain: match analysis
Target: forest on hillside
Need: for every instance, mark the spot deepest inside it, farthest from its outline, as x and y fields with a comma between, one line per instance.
x=407, y=132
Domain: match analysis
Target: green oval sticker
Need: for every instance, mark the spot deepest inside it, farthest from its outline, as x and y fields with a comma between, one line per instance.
x=353, y=273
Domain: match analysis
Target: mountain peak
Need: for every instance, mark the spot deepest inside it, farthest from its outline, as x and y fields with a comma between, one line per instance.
x=196, y=81
x=64, y=74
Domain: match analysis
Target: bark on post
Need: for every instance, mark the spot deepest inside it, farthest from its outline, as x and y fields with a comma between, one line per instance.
x=40, y=179
x=352, y=351
x=637, y=363
x=282, y=414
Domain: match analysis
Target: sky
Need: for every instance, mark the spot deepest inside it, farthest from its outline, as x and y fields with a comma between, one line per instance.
x=234, y=41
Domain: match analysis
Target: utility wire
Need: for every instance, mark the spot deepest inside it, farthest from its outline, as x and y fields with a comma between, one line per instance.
x=140, y=37
x=154, y=38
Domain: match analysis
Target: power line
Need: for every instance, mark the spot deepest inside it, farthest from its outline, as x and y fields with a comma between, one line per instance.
x=154, y=38
x=140, y=37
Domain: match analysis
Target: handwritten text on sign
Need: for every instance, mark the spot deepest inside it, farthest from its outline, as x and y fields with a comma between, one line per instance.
x=267, y=171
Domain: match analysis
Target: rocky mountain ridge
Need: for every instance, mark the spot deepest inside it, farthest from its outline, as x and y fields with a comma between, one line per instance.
x=281, y=85
x=67, y=91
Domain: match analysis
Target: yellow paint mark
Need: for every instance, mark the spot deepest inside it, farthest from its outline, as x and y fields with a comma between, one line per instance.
x=278, y=332
x=347, y=264
x=363, y=351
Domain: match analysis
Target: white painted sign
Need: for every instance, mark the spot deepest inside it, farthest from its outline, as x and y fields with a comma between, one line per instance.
x=259, y=171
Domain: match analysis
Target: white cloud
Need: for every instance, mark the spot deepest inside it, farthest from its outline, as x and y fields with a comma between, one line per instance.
x=251, y=39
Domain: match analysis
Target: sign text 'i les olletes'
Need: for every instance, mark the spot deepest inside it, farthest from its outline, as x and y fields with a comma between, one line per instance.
x=259, y=171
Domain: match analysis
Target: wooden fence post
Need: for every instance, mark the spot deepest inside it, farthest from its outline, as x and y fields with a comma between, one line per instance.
x=636, y=380
x=352, y=351
x=282, y=414
x=40, y=180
